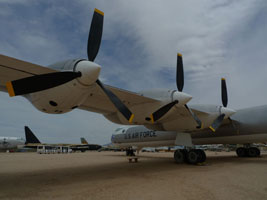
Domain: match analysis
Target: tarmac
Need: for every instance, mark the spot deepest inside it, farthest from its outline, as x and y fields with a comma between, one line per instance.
x=109, y=175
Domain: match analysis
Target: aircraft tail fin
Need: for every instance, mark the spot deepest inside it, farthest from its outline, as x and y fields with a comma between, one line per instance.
x=30, y=137
x=83, y=141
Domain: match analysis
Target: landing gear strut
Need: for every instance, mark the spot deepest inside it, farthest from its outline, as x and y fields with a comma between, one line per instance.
x=192, y=156
x=130, y=152
x=248, y=152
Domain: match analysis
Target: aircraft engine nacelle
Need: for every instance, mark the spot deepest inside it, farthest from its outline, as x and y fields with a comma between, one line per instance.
x=165, y=95
x=64, y=98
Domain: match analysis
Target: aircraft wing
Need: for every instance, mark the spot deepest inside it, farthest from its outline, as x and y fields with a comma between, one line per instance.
x=97, y=101
x=12, y=69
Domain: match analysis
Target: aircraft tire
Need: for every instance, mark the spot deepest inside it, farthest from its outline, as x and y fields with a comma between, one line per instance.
x=201, y=155
x=253, y=152
x=179, y=156
x=192, y=157
x=258, y=152
x=241, y=152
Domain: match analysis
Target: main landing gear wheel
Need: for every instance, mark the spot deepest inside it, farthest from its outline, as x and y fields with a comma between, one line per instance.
x=241, y=152
x=179, y=156
x=248, y=152
x=192, y=157
x=201, y=155
x=253, y=152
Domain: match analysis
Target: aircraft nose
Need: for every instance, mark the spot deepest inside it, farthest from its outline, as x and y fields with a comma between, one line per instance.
x=227, y=111
x=182, y=97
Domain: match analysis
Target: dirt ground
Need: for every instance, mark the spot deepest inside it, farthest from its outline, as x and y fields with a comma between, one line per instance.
x=108, y=175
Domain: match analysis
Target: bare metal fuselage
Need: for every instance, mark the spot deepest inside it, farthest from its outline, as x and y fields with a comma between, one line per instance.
x=250, y=125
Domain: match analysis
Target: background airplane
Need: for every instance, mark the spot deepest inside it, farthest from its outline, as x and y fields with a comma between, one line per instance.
x=33, y=142
x=11, y=143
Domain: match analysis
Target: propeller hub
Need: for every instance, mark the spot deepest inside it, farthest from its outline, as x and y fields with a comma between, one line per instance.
x=90, y=72
x=182, y=97
x=227, y=111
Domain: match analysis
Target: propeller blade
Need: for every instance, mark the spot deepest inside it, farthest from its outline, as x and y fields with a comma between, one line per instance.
x=198, y=121
x=160, y=112
x=95, y=34
x=224, y=93
x=217, y=123
x=39, y=82
x=117, y=102
x=180, y=73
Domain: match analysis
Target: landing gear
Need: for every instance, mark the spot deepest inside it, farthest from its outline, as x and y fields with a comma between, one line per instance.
x=179, y=156
x=192, y=156
x=241, y=152
x=130, y=152
x=248, y=152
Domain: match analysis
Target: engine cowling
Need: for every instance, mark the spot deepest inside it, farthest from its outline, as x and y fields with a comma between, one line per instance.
x=165, y=95
x=66, y=97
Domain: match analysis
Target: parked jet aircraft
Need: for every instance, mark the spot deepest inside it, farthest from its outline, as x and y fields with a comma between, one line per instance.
x=32, y=142
x=70, y=84
x=11, y=143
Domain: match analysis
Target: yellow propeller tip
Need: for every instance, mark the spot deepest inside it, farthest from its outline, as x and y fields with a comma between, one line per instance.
x=99, y=11
x=212, y=128
x=223, y=79
x=131, y=118
x=179, y=54
x=10, y=89
x=152, y=119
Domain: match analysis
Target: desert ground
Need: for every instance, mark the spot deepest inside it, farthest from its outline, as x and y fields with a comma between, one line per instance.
x=109, y=175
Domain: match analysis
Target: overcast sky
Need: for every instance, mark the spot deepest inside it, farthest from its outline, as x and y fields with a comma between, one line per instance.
x=218, y=38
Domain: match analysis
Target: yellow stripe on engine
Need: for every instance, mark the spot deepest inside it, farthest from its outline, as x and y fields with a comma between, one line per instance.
x=99, y=11
x=10, y=89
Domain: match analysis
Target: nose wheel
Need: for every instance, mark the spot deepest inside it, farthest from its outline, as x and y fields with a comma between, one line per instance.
x=193, y=156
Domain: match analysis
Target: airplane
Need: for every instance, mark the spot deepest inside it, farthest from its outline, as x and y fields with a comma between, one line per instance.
x=140, y=137
x=75, y=84
x=11, y=143
x=33, y=142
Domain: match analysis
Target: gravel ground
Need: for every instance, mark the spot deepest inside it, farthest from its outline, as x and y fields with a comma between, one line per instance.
x=108, y=175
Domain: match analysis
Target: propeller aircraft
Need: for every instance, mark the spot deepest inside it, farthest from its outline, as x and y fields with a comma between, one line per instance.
x=75, y=84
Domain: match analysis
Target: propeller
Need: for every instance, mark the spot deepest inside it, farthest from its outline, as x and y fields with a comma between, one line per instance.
x=38, y=83
x=93, y=45
x=42, y=82
x=180, y=84
x=218, y=121
x=117, y=102
x=95, y=35
x=161, y=112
